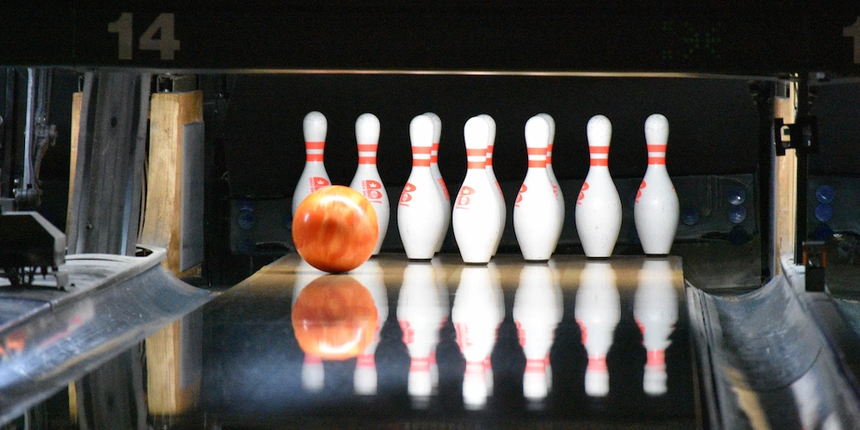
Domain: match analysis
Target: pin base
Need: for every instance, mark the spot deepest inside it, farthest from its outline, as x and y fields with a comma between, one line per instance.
x=598, y=258
x=537, y=261
x=657, y=255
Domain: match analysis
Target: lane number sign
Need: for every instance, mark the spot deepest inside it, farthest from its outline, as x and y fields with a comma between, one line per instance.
x=159, y=36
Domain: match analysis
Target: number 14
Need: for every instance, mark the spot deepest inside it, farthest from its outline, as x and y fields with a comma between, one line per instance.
x=166, y=42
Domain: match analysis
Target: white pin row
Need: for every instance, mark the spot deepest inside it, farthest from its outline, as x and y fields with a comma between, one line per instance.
x=478, y=216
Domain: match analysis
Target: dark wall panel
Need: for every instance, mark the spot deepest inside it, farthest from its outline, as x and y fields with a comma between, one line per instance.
x=713, y=124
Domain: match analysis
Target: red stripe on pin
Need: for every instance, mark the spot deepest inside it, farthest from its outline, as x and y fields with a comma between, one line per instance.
x=598, y=149
x=421, y=163
x=365, y=360
x=599, y=162
x=315, y=157
x=537, y=164
x=419, y=364
x=476, y=153
x=476, y=165
x=366, y=160
x=657, y=148
x=536, y=151
x=315, y=145
x=597, y=363
x=657, y=160
x=421, y=150
x=656, y=357
x=366, y=147
x=533, y=366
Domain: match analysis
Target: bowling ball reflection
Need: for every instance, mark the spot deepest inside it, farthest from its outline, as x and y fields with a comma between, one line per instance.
x=335, y=229
x=334, y=317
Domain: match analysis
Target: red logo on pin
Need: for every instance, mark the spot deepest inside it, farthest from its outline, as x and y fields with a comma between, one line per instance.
x=408, y=332
x=318, y=182
x=521, y=334
x=523, y=189
x=444, y=189
x=462, y=336
x=371, y=189
x=463, y=199
x=406, y=197
x=639, y=193
x=582, y=193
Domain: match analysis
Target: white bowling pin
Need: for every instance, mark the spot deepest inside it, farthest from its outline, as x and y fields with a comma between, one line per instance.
x=314, y=175
x=598, y=207
x=597, y=311
x=422, y=207
x=370, y=275
x=535, y=315
x=549, y=170
x=437, y=175
x=491, y=174
x=536, y=221
x=419, y=315
x=655, y=308
x=656, y=207
x=476, y=212
x=475, y=316
x=366, y=180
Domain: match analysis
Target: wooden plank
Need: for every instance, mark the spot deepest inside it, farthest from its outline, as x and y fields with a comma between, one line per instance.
x=785, y=187
x=170, y=389
x=77, y=99
x=163, y=211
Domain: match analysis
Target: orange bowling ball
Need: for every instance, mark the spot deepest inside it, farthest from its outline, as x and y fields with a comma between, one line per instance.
x=335, y=229
x=334, y=317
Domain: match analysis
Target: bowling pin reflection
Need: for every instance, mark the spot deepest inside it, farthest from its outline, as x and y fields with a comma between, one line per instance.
x=313, y=375
x=655, y=308
x=370, y=275
x=420, y=316
x=476, y=315
x=496, y=277
x=556, y=276
x=597, y=311
x=334, y=317
x=444, y=307
x=536, y=314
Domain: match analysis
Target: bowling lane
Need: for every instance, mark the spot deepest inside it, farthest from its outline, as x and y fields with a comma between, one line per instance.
x=572, y=342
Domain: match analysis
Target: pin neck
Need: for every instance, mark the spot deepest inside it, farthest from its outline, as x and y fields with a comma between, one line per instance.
x=420, y=156
x=314, y=151
x=657, y=154
x=537, y=157
x=367, y=153
x=599, y=155
x=477, y=158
